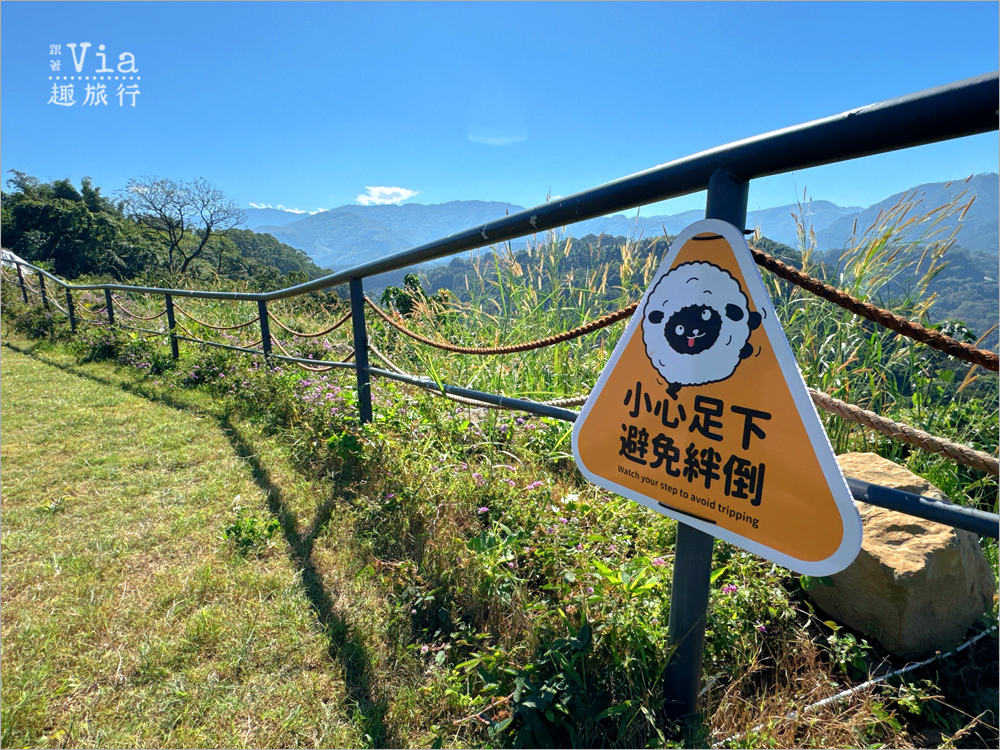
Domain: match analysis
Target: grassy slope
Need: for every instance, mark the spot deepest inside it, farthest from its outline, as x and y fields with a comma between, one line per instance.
x=438, y=584
x=127, y=619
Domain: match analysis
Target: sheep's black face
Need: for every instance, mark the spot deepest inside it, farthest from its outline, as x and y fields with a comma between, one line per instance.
x=692, y=329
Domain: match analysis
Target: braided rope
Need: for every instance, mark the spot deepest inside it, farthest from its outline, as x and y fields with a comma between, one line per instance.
x=186, y=314
x=904, y=433
x=299, y=364
x=180, y=325
x=332, y=328
x=131, y=314
x=558, y=338
x=908, y=328
x=92, y=312
x=572, y=401
x=190, y=335
x=57, y=305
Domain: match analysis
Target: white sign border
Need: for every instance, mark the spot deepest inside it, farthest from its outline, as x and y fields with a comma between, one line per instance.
x=851, y=542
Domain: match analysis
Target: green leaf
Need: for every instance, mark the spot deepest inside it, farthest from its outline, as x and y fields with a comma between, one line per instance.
x=603, y=569
x=614, y=710
x=716, y=574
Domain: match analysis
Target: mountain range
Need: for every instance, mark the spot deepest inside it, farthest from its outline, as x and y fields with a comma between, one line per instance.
x=349, y=235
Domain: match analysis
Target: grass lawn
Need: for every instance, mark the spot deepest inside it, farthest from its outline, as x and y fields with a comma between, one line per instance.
x=129, y=619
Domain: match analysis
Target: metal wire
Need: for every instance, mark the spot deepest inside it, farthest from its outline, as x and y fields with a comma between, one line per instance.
x=863, y=686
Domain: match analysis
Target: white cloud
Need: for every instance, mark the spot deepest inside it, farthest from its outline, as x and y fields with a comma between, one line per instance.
x=497, y=140
x=279, y=207
x=381, y=196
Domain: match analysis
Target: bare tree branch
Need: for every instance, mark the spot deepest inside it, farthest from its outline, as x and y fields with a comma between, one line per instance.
x=178, y=210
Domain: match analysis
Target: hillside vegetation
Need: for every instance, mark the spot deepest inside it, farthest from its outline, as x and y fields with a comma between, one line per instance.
x=487, y=595
x=81, y=232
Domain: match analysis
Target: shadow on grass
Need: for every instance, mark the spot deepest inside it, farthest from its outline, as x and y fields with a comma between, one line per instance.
x=344, y=645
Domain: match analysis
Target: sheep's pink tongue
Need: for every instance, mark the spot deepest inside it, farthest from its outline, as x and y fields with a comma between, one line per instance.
x=691, y=343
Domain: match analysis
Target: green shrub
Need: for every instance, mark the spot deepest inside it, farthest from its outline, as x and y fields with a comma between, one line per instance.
x=249, y=532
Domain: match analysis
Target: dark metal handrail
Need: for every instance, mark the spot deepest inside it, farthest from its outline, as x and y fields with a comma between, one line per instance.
x=963, y=108
x=959, y=109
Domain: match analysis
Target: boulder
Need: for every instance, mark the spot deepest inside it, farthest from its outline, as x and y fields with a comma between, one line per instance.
x=916, y=586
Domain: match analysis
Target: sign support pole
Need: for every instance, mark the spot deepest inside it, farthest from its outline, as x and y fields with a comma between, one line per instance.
x=727, y=200
x=361, y=350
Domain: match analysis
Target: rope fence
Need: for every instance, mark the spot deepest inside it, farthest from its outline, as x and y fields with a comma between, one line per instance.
x=586, y=328
x=121, y=307
x=186, y=314
x=898, y=431
x=936, y=339
x=967, y=352
x=325, y=331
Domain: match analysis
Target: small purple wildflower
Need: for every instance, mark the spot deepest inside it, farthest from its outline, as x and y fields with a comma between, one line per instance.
x=761, y=628
x=729, y=589
x=562, y=519
x=580, y=546
x=590, y=589
x=535, y=485
x=484, y=509
x=424, y=649
x=479, y=478
x=659, y=562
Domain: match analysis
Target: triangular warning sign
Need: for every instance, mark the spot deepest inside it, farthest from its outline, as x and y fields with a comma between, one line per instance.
x=701, y=414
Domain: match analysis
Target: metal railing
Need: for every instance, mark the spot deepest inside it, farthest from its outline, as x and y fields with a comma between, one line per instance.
x=964, y=108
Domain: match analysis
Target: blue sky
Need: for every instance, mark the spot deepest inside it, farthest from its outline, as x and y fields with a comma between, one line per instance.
x=307, y=105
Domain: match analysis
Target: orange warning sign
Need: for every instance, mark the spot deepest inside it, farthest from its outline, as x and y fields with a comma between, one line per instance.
x=701, y=414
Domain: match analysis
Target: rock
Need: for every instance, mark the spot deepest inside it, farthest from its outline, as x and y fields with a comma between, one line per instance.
x=916, y=586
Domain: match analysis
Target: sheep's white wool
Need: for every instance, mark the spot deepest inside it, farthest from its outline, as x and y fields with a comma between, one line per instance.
x=696, y=284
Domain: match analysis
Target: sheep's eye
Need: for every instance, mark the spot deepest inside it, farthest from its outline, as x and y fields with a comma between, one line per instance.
x=706, y=314
x=679, y=330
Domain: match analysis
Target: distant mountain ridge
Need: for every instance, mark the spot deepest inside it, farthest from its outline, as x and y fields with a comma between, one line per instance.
x=350, y=235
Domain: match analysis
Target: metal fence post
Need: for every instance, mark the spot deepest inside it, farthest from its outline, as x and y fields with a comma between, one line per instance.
x=41, y=287
x=110, y=305
x=265, y=326
x=70, y=311
x=20, y=280
x=174, y=351
x=361, y=351
x=727, y=200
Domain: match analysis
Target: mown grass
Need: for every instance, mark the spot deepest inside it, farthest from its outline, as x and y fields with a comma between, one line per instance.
x=475, y=591
x=128, y=619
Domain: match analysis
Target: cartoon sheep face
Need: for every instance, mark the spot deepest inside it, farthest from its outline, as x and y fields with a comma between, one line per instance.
x=696, y=325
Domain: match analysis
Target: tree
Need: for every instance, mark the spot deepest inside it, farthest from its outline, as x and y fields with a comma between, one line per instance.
x=185, y=215
x=77, y=231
